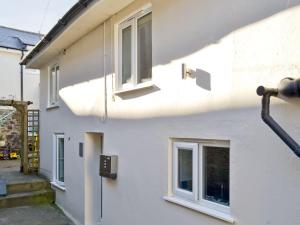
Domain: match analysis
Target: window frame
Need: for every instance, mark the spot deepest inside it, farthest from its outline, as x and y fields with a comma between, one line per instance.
x=56, y=180
x=55, y=67
x=130, y=20
x=198, y=174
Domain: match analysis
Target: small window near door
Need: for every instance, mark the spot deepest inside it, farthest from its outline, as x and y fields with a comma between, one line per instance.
x=59, y=169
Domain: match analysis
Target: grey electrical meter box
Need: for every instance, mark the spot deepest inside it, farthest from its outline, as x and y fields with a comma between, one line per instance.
x=108, y=166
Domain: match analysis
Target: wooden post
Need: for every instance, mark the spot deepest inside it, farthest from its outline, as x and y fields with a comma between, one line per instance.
x=24, y=123
x=21, y=107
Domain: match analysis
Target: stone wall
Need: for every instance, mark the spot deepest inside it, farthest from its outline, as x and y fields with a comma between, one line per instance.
x=10, y=131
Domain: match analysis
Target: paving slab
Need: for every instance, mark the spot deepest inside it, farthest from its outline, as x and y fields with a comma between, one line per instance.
x=48, y=214
x=15, y=177
x=10, y=165
x=10, y=172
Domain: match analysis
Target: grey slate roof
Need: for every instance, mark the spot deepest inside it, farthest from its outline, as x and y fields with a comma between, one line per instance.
x=17, y=39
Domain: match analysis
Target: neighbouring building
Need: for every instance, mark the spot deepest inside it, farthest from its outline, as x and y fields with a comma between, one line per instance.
x=14, y=80
x=14, y=45
x=169, y=87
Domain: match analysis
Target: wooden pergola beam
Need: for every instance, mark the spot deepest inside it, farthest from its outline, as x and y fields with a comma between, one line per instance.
x=22, y=108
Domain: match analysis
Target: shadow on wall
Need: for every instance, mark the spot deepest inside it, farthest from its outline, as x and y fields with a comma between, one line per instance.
x=211, y=21
x=203, y=78
x=215, y=20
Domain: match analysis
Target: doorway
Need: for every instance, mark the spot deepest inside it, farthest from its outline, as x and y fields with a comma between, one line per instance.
x=92, y=179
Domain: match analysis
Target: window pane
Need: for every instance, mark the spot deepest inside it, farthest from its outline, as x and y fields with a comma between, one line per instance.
x=126, y=55
x=144, y=48
x=60, y=159
x=185, y=169
x=216, y=174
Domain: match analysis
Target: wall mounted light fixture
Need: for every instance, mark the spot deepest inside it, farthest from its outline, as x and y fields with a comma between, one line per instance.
x=186, y=72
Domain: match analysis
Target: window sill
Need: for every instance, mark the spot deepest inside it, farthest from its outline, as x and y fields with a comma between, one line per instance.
x=142, y=86
x=200, y=208
x=52, y=107
x=57, y=186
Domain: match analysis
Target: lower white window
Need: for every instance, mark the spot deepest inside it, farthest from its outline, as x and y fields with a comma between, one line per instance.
x=59, y=161
x=201, y=173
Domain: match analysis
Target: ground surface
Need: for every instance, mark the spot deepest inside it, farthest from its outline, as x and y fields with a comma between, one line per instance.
x=47, y=214
x=34, y=215
x=9, y=171
x=9, y=165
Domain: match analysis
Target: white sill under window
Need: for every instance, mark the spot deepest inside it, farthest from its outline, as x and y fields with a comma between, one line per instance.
x=54, y=106
x=141, y=86
x=58, y=186
x=200, y=208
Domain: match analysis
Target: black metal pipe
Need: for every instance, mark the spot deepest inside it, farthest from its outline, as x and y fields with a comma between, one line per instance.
x=289, y=88
x=22, y=76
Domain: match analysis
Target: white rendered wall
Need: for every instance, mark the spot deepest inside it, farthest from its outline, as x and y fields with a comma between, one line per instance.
x=10, y=74
x=32, y=87
x=233, y=47
x=10, y=79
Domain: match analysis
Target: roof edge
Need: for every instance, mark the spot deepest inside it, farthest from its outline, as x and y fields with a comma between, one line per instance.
x=20, y=30
x=11, y=48
x=62, y=24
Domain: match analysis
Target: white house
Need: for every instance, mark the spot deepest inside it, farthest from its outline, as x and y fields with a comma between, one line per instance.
x=169, y=87
x=14, y=45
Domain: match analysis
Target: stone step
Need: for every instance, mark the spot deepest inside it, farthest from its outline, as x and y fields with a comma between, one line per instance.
x=13, y=188
x=27, y=198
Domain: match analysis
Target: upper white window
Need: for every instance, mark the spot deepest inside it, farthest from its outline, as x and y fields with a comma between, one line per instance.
x=54, y=85
x=135, y=50
x=201, y=174
x=59, y=160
